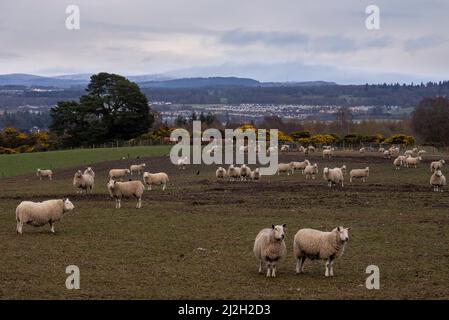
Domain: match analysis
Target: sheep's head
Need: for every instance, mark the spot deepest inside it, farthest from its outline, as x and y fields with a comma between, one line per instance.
x=442, y=161
x=143, y=164
x=111, y=184
x=68, y=205
x=438, y=173
x=127, y=171
x=326, y=171
x=279, y=231
x=343, y=233
x=78, y=174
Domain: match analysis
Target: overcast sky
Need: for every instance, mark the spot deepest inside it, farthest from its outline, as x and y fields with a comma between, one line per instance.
x=270, y=40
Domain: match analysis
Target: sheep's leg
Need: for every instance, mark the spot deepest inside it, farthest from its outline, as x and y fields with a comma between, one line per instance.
x=331, y=271
x=163, y=186
x=52, y=227
x=303, y=260
x=19, y=227
x=260, y=266
x=326, y=274
x=118, y=204
x=298, y=265
x=149, y=186
x=273, y=270
x=350, y=179
x=268, y=269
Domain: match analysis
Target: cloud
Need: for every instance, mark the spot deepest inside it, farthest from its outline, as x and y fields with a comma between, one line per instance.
x=424, y=42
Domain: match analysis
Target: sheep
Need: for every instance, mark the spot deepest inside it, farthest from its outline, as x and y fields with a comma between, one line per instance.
x=421, y=152
x=408, y=153
x=311, y=171
x=301, y=149
x=118, y=173
x=387, y=154
x=44, y=174
x=119, y=190
x=220, y=173
x=436, y=165
x=362, y=150
x=333, y=176
x=90, y=172
x=285, y=167
x=137, y=168
x=398, y=162
x=255, y=174
x=314, y=244
x=344, y=169
x=245, y=172
x=285, y=148
x=155, y=178
x=39, y=214
x=359, y=174
x=272, y=150
x=410, y=161
x=301, y=165
x=328, y=152
x=83, y=182
x=234, y=173
x=438, y=180
x=381, y=150
x=394, y=151
x=311, y=149
x=269, y=247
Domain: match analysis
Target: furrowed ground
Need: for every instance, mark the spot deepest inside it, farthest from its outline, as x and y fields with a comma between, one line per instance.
x=195, y=240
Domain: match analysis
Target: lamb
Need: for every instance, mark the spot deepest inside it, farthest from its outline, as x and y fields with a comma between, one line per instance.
x=408, y=153
x=90, y=172
x=83, y=182
x=119, y=190
x=118, y=173
x=398, y=162
x=220, y=173
x=138, y=168
x=311, y=149
x=438, y=181
x=333, y=176
x=255, y=174
x=311, y=171
x=359, y=174
x=245, y=172
x=39, y=214
x=155, y=178
x=44, y=174
x=437, y=165
x=328, y=152
x=301, y=165
x=285, y=148
x=387, y=154
x=234, y=173
x=285, y=167
x=410, y=161
x=315, y=244
x=269, y=248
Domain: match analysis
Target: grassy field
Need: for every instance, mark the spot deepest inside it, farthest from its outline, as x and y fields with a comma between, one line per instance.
x=195, y=240
x=12, y=165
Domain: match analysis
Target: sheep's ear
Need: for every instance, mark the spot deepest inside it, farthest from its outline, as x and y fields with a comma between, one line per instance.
x=272, y=226
x=348, y=228
x=284, y=225
x=338, y=229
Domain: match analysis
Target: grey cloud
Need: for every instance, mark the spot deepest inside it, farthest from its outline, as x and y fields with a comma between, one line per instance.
x=424, y=42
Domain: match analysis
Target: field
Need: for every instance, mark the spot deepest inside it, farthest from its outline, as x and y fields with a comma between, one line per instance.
x=194, y=241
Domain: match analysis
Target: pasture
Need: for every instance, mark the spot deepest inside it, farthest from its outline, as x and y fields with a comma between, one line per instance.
x=195, y=240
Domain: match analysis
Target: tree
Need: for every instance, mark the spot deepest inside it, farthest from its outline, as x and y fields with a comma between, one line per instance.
x=114, y=108
x=430, y=121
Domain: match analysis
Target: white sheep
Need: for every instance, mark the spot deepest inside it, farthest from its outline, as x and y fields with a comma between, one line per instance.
x=155, y=178
x=119, y=190
x=234, y=173
x=311, y=149
x=362, y=150
x=300, y=165
x=44, y=174
x=285, y=167
x=269, y=248
x=183, y=162
x=359, y=174
x=398, y=162
x=411, y=161
x=328, y=152
x=438, y=180
x=421, y=152
x=83, y=182
x=311, y=171
x=220, y=173
x=314, y=244
x=437, y=165
x=285, y=148
x=90, y=172
x=344, y=170
x=408, y=153
x=39, y=214
x=333, y=176
x=387, y=154
x=118, y=173
x=272, y=150
x=255, y=174
x=245, y=172
x=381, y=150
x=137, y=168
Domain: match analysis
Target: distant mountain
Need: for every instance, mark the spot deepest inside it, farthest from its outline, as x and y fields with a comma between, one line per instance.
x=202, y=82
x=29, y=80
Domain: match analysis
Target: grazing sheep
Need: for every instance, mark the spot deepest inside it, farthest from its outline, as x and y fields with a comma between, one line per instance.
x=311, y=171
x=138, y=168
x=362, y=150
x=437, y=165
x=234, y=173
x=285, y=167
x=155, y=178
x=269, y=248
x=410, y=161
x=398, y=162
x=245, y=172
x=301, y=165
x=220, y=173
x=314, y=244
x=359, y=174
x=438, y=180
x=255, y=174
x=38, y=214
x=119, y=190
x=333, y=176
x=44, y=174
x=183, y=162
x=118, y=173
x=285, y=148
x=83, y=182
x=90, y=172
x=328, y=152
x=421, y=152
